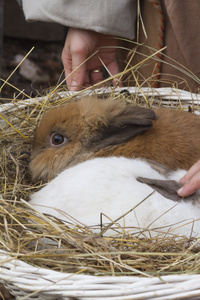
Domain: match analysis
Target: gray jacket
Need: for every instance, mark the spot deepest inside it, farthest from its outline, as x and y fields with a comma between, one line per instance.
x=113, y=17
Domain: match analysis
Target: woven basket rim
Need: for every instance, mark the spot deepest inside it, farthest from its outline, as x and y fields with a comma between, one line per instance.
x=167, y=94
x=27, y=280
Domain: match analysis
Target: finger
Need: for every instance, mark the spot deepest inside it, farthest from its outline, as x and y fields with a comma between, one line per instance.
x=191, y=186
x=87, y=80
x=67, y=63
x=78, y=75
x=74, y=66
x=113, y=69
x=192, y=171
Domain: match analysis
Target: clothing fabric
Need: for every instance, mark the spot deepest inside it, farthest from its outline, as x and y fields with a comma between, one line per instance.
x=113, y=17
x=176, y=26
x=182, y=38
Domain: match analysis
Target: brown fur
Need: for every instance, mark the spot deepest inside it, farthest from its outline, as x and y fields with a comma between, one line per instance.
x=99, y=128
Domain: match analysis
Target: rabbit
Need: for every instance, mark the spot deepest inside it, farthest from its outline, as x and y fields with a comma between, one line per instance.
x=112, y=186
x=90, y=127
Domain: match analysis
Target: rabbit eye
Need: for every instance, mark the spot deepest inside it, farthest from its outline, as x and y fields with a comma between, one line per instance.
x=57, y=139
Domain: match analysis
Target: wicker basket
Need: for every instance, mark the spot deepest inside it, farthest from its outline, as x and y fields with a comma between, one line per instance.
x=25, y=281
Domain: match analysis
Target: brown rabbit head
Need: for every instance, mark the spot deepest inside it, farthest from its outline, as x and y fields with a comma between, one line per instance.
x=77, y=130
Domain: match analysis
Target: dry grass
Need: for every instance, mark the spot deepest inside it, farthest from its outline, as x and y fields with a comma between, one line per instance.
x=47, y=242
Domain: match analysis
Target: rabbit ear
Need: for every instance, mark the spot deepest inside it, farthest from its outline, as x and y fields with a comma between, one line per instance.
x=123, y=126
x=160, y=168
x=168, y=189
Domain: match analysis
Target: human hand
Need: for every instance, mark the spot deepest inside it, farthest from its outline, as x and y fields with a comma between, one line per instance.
x=191, y=181
x=81, y=44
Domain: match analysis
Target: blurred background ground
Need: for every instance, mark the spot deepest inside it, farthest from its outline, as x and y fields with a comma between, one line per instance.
x=42, y=68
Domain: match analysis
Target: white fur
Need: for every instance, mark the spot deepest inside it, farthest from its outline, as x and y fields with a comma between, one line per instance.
x=109, y=186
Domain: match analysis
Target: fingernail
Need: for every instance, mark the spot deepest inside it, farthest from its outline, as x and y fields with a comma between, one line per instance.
x=73, y=86
x=179, y=192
